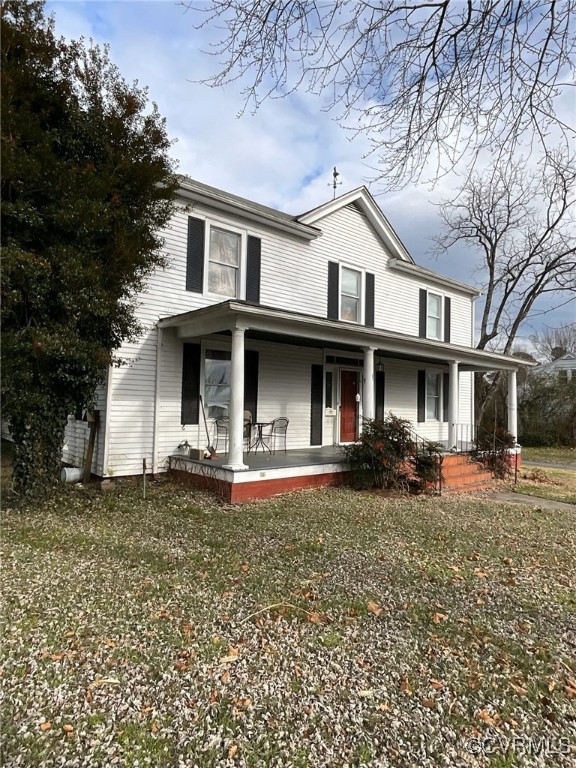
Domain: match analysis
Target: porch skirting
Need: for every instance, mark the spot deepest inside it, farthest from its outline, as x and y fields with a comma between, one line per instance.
x=257, y=483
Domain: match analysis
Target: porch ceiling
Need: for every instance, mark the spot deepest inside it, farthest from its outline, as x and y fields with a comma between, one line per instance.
x=281, y=326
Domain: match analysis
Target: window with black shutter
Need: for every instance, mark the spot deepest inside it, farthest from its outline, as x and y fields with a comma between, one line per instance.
x=253, y=267
x=434, y=316
x=195, y=255
x=316, y=410
x=190, y=409
x=380, y=383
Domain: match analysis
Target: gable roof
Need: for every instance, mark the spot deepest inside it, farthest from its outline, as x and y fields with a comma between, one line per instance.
x=567, y=362
x=364, y=200
x=190, y=189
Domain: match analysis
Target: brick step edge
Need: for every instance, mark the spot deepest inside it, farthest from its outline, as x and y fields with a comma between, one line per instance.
x=469, y=484
x=471, y=470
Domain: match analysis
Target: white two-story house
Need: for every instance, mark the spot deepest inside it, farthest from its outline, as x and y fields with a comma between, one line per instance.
x=322, y=318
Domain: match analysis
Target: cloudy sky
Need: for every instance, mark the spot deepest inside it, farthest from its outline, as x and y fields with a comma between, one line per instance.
x=282, y=156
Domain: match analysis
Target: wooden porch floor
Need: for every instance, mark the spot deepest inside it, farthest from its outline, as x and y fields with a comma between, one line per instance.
x=267, y=474
x=304, y=457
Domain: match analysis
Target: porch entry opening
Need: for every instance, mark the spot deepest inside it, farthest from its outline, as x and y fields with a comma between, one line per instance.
x=349, y=388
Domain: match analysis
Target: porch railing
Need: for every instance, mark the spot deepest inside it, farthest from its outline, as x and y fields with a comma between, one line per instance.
x=495, y=453
x=427, y=462
x=488, y=449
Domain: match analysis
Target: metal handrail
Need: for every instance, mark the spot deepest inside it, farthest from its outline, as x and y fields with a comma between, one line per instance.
x=426, y=447
x=490, y=456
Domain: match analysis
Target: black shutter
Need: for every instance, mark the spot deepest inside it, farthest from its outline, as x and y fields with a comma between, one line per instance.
x=447, y=309
x=380, y=380
x=423, y=313
x=317, y=384
x=333, y=290
x=421, y=396
x=369, y=305
x=195, y=256
x=190, y=383
x=445, y=396
x=253, y=269
x=251, y=358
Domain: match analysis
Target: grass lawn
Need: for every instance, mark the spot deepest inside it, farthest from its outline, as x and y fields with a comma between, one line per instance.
x=557, y=455
x=547, y=483
x=325, y=628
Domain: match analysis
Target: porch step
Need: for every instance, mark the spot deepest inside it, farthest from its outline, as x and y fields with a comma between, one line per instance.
x=459, y=472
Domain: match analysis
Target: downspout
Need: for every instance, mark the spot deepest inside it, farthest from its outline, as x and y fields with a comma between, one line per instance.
x=156, y=417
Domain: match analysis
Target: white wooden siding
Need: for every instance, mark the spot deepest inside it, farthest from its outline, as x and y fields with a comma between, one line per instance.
x=294, y=276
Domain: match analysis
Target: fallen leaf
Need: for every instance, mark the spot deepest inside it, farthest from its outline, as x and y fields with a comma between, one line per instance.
x=480, y=574
x=436, y=684
x=232, y=751
x=105, y=681
x=225, y=677
x=438, y=617
x=154, y=728
x=487, y=717
x=68, y=728
x=429, y=703
x=45, y=726
x=245, y=567
x=405, y=686
x=519, y=689
x=374, y=608
x=384, y=707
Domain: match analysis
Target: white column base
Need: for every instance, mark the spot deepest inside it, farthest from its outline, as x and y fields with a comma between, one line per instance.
x=235, y=467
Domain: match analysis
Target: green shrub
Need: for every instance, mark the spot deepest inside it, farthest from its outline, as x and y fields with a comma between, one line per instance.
x=378, y=459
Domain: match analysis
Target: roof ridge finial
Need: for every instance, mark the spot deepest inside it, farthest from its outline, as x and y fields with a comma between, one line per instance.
x=335, y=183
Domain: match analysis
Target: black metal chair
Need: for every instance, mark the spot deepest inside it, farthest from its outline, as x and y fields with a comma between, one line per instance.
x=222, y=427
x=279, y=428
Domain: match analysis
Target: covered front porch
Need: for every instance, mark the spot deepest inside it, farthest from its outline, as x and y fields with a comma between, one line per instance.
x=325, y=376
x=265, y=474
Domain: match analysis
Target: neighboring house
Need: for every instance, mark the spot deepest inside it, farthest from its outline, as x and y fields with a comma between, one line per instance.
x=564, y=367
x=322, y=318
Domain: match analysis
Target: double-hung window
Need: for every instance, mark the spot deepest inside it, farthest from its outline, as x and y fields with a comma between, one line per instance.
x=224, y=262
x=217, y=383
x=434, y=316
x=432, y=396
x=350, y=295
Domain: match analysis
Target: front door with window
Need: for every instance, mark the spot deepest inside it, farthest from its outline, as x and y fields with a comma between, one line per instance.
x=348, y=406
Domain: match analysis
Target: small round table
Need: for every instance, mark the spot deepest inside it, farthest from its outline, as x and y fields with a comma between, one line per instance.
x=260, y=440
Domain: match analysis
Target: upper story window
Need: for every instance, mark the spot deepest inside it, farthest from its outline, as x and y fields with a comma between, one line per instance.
x=435, y=312
x=350, y=295
x=221, y=261
x=224, y=262
x=434, y=316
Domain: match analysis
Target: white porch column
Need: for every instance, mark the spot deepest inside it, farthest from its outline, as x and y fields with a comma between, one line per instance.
x=236, y=428
x=453, y=396
x=368, y=390
x=512, y=406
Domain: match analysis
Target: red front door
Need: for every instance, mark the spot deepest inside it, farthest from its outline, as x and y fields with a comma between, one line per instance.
x=348, y=406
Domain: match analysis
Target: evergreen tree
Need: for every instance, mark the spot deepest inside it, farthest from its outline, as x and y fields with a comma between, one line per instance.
x=87, y=183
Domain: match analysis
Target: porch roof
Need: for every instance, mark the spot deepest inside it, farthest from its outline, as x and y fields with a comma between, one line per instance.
x=287, y=327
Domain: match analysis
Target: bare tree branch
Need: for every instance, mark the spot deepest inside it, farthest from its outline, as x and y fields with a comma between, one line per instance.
x=446, y=80
x=521, y=225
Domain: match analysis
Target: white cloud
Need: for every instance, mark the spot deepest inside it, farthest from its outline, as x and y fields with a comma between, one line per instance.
x=283, y=156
